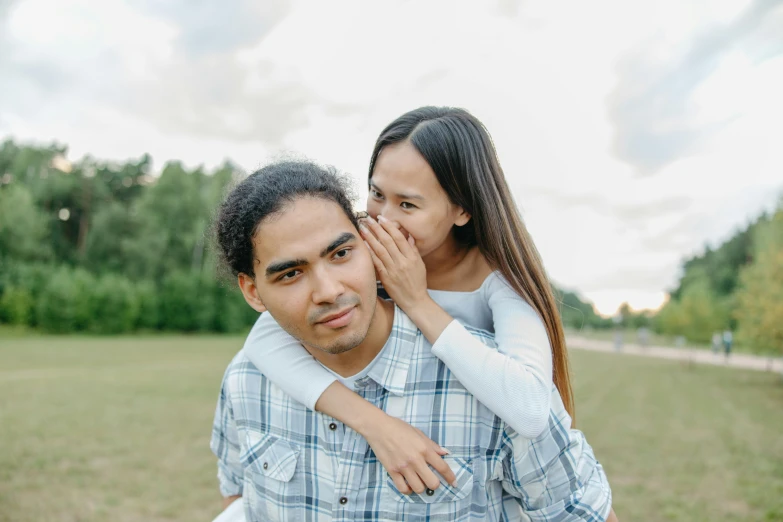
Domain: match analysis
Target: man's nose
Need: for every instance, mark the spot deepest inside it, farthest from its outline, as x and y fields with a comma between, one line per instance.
x=326, y=287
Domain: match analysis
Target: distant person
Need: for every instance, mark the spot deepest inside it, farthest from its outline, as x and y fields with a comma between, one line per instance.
x=644, y=337
x=289, y=236
x=618, y=340
x=717, y=342
x=618, y=332
x=728, y=338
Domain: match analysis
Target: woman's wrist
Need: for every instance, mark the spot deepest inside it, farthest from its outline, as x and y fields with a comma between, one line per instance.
x=367, y=419
x=348, y=407
x=419, y=308
x=430, y=318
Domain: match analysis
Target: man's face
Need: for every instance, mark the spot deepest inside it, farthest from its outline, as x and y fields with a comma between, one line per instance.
x=315, y=275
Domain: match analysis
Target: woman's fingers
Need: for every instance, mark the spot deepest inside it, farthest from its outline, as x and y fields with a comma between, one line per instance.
x=438, y=464
x=400, y=484
x=376, y=247
x=393, y=228
x=430, y=480
x=384, y=238
x=380, y=269
x=412, y=477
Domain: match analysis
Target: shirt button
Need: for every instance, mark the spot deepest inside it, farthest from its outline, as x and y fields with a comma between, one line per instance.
x=333, y=426
x=343, y=500
x=266, y=465
x=430, y=492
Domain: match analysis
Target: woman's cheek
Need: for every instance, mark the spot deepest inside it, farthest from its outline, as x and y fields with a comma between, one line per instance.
x=412, y=230
x=373, y=208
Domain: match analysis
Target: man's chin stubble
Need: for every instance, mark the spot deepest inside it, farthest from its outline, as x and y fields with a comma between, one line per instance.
x=349, y=344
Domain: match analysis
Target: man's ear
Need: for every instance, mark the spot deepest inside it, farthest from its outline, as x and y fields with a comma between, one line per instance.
x=462, y=218
x=249, y=290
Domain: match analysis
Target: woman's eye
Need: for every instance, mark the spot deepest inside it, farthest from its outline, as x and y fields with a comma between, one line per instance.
x=376, y=194
x=407, y=206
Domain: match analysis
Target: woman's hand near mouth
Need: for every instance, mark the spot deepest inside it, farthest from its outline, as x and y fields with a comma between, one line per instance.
x=403, y=274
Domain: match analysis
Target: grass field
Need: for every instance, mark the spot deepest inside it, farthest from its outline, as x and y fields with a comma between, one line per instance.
x=96, y=429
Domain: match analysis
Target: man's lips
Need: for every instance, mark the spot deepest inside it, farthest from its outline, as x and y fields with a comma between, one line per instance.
x=338, y=319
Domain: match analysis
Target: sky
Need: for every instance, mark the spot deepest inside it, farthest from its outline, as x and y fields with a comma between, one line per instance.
x=631, y=133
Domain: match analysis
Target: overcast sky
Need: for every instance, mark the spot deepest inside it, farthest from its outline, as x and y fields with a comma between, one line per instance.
x=632, y=133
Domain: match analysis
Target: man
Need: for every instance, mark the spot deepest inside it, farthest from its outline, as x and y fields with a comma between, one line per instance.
x=290, y=237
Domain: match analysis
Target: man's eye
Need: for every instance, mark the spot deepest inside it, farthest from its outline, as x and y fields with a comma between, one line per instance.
x=342, y=254
x=289, y=275
x=407, y=206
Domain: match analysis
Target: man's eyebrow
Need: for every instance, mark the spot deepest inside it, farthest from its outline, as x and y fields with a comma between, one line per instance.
x=341, y=240
x=398, y=195
x=281, y=266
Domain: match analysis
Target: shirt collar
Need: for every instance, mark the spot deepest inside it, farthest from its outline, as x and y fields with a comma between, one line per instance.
x=390, y=370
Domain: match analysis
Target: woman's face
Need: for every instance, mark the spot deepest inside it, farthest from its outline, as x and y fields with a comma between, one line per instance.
x=404, y=188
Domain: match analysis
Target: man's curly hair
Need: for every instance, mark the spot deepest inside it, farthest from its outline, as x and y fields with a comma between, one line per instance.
x=265, y=193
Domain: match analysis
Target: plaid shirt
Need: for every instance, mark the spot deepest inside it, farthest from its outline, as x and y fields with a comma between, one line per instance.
x=291, y=463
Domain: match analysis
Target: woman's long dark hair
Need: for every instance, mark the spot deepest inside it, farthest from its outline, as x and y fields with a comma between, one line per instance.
x=460, y=151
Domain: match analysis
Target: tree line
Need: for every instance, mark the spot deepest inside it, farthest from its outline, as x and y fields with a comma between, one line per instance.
x=106, y=247
x=97, y=246
x=737, y=286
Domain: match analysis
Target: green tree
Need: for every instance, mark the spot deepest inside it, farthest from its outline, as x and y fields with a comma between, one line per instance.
x=759, y=309
x=670, y=320
x=703, y=312
x=576, y=313
x=23, y=227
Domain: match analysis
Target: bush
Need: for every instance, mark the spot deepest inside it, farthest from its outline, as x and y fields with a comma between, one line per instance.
x=149, y=306
x=16, y=306
x=232, y=313
x=55, y=309
x=187, y=303
x=84, y=309
x=66, y=304
x=32, y=277
x=115, y=304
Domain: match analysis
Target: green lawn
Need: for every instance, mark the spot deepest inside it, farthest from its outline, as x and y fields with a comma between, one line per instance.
x=96, y=429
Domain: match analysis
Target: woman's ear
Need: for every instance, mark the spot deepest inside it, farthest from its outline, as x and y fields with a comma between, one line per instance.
x=250, y=291
x=462, y=218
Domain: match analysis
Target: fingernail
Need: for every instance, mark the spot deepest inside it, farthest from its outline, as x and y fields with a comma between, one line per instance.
x=447, y=451
x=362, y=228
x=381, y=218
x=454, y=484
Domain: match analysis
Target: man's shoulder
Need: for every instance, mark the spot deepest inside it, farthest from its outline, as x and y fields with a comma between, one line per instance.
x=240, y=370
x=241, y=362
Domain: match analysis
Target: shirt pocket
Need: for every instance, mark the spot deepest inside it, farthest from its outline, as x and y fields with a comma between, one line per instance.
x=445, y=503
x=270, y=465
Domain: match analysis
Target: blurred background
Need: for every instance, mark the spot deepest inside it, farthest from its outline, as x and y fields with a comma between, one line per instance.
x=642, y=142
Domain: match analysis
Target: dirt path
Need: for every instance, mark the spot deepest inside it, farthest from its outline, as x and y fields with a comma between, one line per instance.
x=697, y=355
